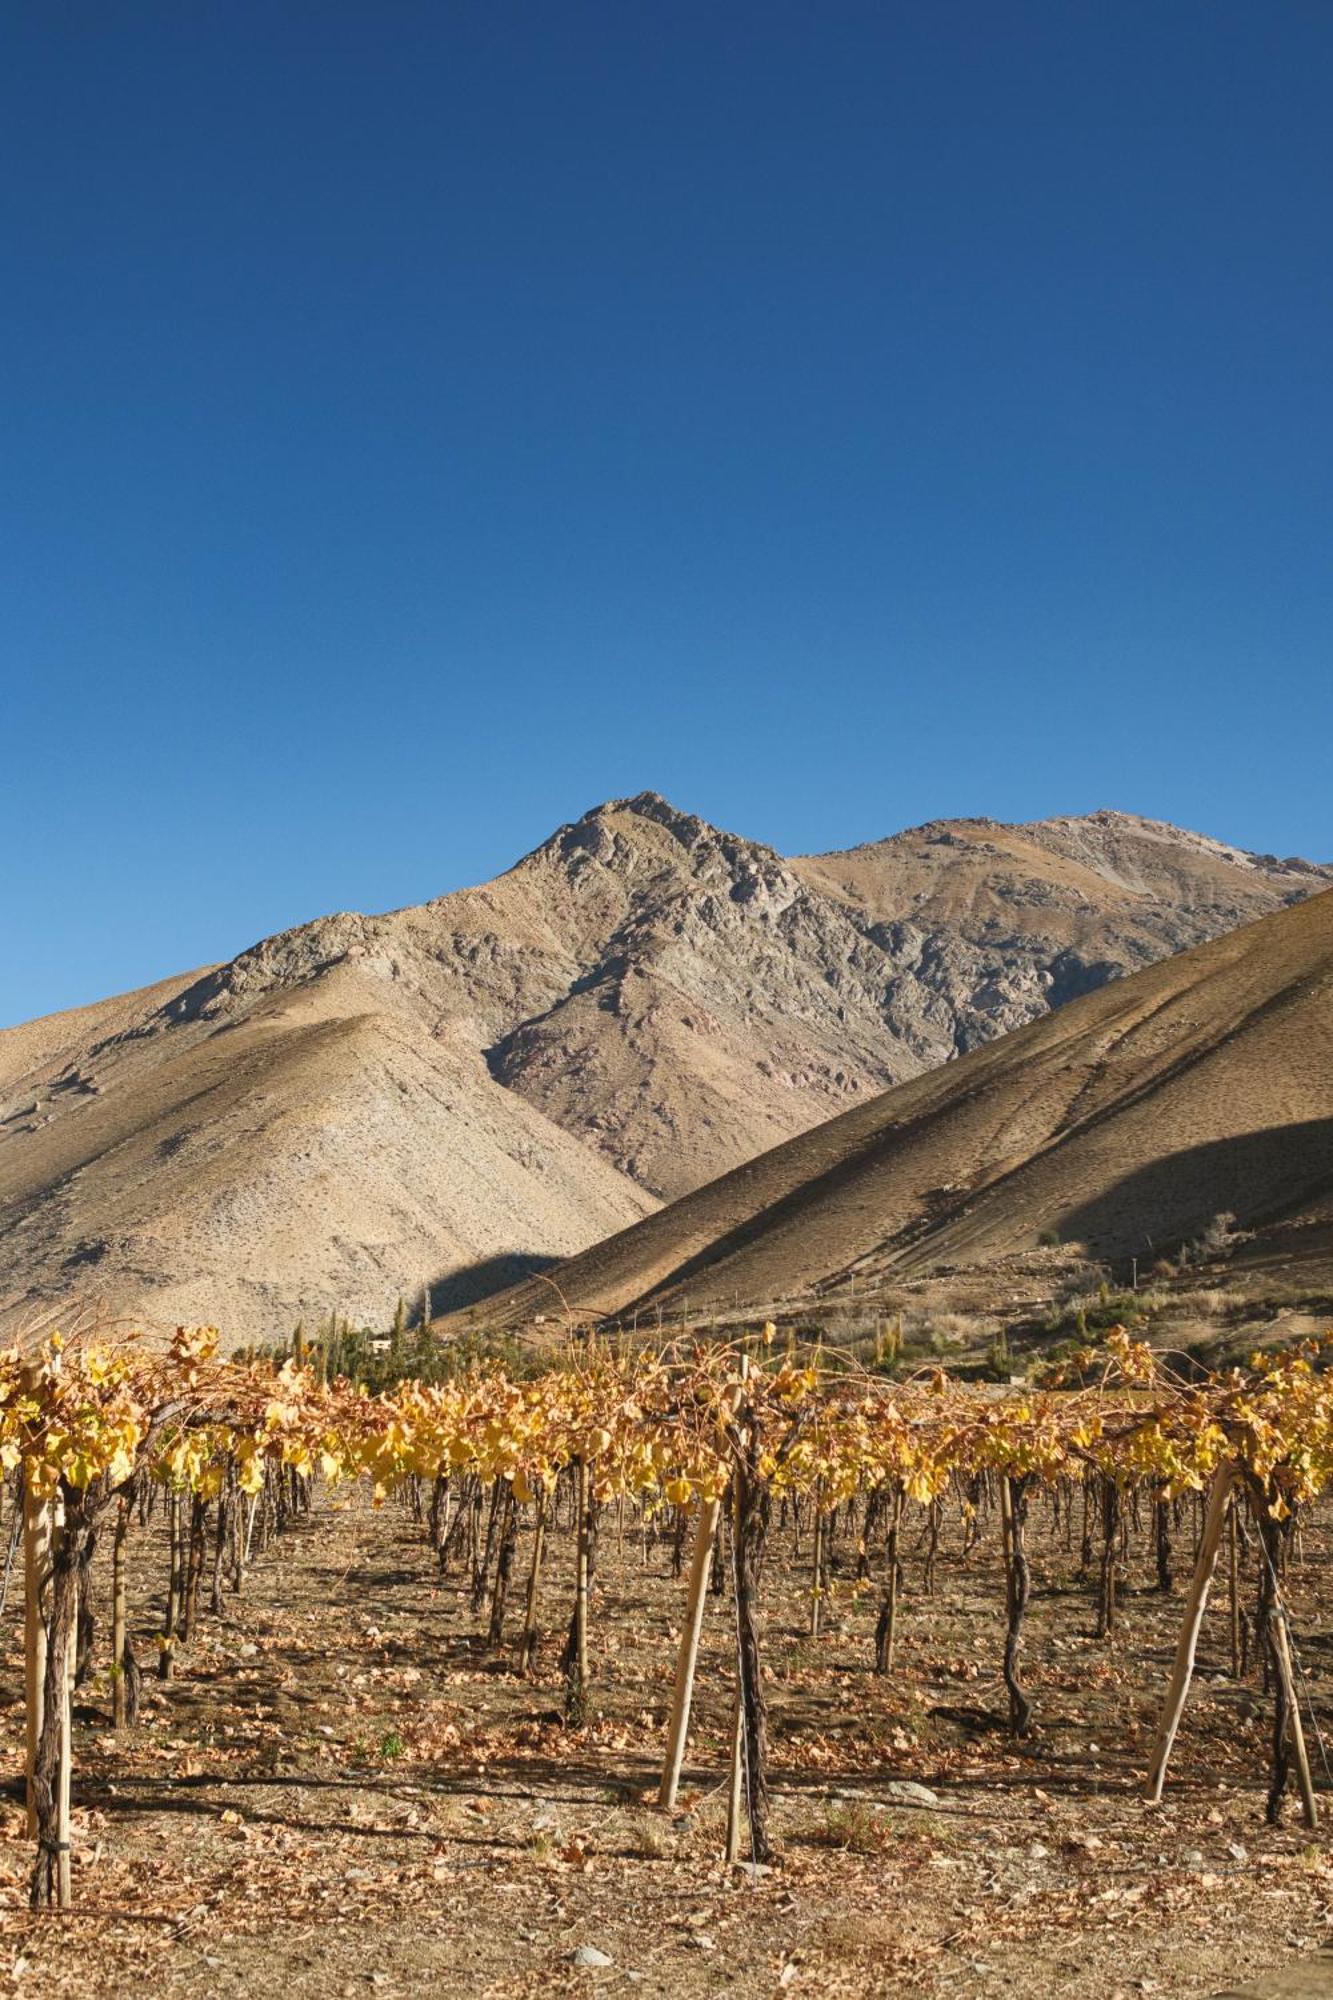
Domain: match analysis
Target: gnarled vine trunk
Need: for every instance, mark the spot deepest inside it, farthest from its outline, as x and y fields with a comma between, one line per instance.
x=1018, y=1588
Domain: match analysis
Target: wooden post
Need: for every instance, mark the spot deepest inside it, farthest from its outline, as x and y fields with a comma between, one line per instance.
x=1219, y=1501
x=1282, y=1653
x=687, y=1654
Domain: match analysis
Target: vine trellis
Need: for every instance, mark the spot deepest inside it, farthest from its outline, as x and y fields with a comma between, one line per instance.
x=716, y=1434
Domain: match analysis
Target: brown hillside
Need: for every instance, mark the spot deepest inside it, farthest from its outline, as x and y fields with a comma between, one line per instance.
x=450, y=1093
x=1127, y=1121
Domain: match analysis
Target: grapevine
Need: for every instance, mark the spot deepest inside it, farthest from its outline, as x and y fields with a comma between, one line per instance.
x=699, y=1432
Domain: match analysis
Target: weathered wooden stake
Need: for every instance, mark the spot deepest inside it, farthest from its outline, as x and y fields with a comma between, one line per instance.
x=1295, y=1731
x=687, y=1653
x=1219, y=1501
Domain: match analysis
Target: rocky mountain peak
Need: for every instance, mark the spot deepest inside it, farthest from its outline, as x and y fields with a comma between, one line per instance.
x=646, y=838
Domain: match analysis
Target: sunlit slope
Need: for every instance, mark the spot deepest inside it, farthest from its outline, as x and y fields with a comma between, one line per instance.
x=314, y=1152
x=1127, y=1120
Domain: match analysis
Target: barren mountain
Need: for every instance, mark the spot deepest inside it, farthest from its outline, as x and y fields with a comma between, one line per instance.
x=449, y=1093
x=1128, y=1121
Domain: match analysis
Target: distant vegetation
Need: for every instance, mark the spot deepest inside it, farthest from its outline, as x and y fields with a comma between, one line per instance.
x=378, y=1358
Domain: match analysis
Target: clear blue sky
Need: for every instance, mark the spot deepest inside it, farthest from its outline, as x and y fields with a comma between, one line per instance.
x=420, y=422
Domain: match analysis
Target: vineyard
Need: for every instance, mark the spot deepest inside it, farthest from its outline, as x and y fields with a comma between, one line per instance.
x=797, y=1494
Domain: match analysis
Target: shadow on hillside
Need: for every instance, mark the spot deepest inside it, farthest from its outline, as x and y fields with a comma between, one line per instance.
x=1258, y=1177
x=474, y=1282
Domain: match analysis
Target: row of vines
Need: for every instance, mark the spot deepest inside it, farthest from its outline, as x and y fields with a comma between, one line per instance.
x=713, y=1447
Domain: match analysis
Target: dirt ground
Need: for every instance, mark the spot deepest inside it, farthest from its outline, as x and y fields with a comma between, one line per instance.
x=345, y=1792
